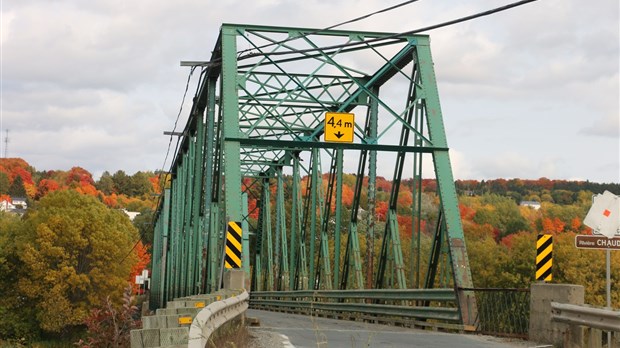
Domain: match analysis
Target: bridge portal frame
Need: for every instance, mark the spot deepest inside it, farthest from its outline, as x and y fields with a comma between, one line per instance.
x=259, y=110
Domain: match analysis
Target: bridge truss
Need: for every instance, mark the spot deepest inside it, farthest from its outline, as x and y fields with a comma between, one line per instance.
x=255, y=134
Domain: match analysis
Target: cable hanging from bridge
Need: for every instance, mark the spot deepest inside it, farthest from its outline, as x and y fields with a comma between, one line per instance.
x=161, y=172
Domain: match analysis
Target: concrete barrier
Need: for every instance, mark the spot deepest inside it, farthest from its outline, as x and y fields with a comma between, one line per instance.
x=542, y=328
x=214, y=316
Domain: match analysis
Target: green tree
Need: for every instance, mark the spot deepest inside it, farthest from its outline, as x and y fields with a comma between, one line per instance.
x=17, y=188
x=71, y=252
x=105, y=183
x=140, y=184
x=5, y=183
x=503, y=213
x=16, y=316
x=144, y=223
x=122, y=182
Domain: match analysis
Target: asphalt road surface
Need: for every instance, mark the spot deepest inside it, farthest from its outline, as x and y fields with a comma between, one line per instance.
x=301, y=331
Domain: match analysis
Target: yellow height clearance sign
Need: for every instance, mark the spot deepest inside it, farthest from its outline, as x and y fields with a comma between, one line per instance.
x=339, y=127
x=233, y=245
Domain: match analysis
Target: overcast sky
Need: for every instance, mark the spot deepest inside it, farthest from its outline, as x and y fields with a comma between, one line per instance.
x=528, y=93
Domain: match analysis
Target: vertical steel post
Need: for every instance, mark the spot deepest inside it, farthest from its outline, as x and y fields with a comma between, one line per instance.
x=295, y=224
x=313, y=213
x=372, y=191
x=214, y=232
x=208, y=158
x=445, y=186
x=245, y=242
x=266, y=211
x=416, y=202
x=230, y=124
x=190, y=257
x=338, y=229
x=165, y=227
x=282, y=260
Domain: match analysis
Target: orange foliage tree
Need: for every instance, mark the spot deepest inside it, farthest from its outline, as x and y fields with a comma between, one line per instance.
x=144, y=259
x=46, y=186
x=552, y=225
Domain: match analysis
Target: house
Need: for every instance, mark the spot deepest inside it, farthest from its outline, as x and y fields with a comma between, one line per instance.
x=15, y=205
x=5, y=205
x=20, y=202
x=131, y=214
x=532, y=204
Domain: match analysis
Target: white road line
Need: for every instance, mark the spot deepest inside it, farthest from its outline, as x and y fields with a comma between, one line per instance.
x=285, y=342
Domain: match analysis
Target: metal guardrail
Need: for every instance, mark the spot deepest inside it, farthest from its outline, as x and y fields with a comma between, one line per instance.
x=212, y=317
x=387, y=305
x=596, y=318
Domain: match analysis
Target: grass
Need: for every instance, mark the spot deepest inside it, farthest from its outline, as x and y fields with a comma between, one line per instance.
x=233, y=334
x=39, y=344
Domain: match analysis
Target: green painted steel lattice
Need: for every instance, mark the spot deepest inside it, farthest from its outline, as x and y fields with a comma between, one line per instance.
x=255, y=132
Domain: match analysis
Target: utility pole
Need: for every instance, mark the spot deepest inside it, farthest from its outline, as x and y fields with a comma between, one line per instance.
x=6, y=143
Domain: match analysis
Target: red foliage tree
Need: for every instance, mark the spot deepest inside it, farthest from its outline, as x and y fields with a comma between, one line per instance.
x=383, y=185
x=252, y=209
x=381, y=210
x=110, y=326
x=78, y=175
x=467, y=213
x=46, y=186
x=405, y=226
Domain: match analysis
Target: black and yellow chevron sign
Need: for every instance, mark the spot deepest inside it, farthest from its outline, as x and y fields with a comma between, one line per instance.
x=233, y=245
x=544, y=257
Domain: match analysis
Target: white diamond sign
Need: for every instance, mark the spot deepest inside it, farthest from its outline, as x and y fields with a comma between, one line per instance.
x=604, y=215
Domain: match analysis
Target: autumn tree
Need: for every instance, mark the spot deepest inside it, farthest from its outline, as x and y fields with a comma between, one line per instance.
x=69, y=253
x=140, y=184
x=144, y=259
x=122, y=182
x=17, y=188
x=17, y=318
x=46, y=186
x=105, y=183
x=5, y=183
x=501, y=212
x=144, y=223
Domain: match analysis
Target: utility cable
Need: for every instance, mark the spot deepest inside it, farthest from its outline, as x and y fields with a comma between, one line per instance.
x=330, y=27
x=161, y=172
x=397, y=37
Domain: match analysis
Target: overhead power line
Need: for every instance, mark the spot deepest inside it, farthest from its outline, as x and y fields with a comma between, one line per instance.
x=332, y=26
x=396, y=37
x=369, y=42
x=161, y=172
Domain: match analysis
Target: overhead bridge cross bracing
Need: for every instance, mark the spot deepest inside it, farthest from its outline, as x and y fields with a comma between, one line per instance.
x=254, y=151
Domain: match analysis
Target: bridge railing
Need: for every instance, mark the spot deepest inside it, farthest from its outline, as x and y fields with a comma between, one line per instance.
x=212, y=317
x=502, y=312
x=415, y=307
x=587, y=324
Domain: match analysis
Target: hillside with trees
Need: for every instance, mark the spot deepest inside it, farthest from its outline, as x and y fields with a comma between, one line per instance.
x=73, y=252
x=74, y=245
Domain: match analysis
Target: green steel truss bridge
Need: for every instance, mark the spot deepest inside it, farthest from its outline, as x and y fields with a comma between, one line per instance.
x=256, y=133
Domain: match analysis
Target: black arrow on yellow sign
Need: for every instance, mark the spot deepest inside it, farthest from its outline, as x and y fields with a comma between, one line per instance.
x=339, y=127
